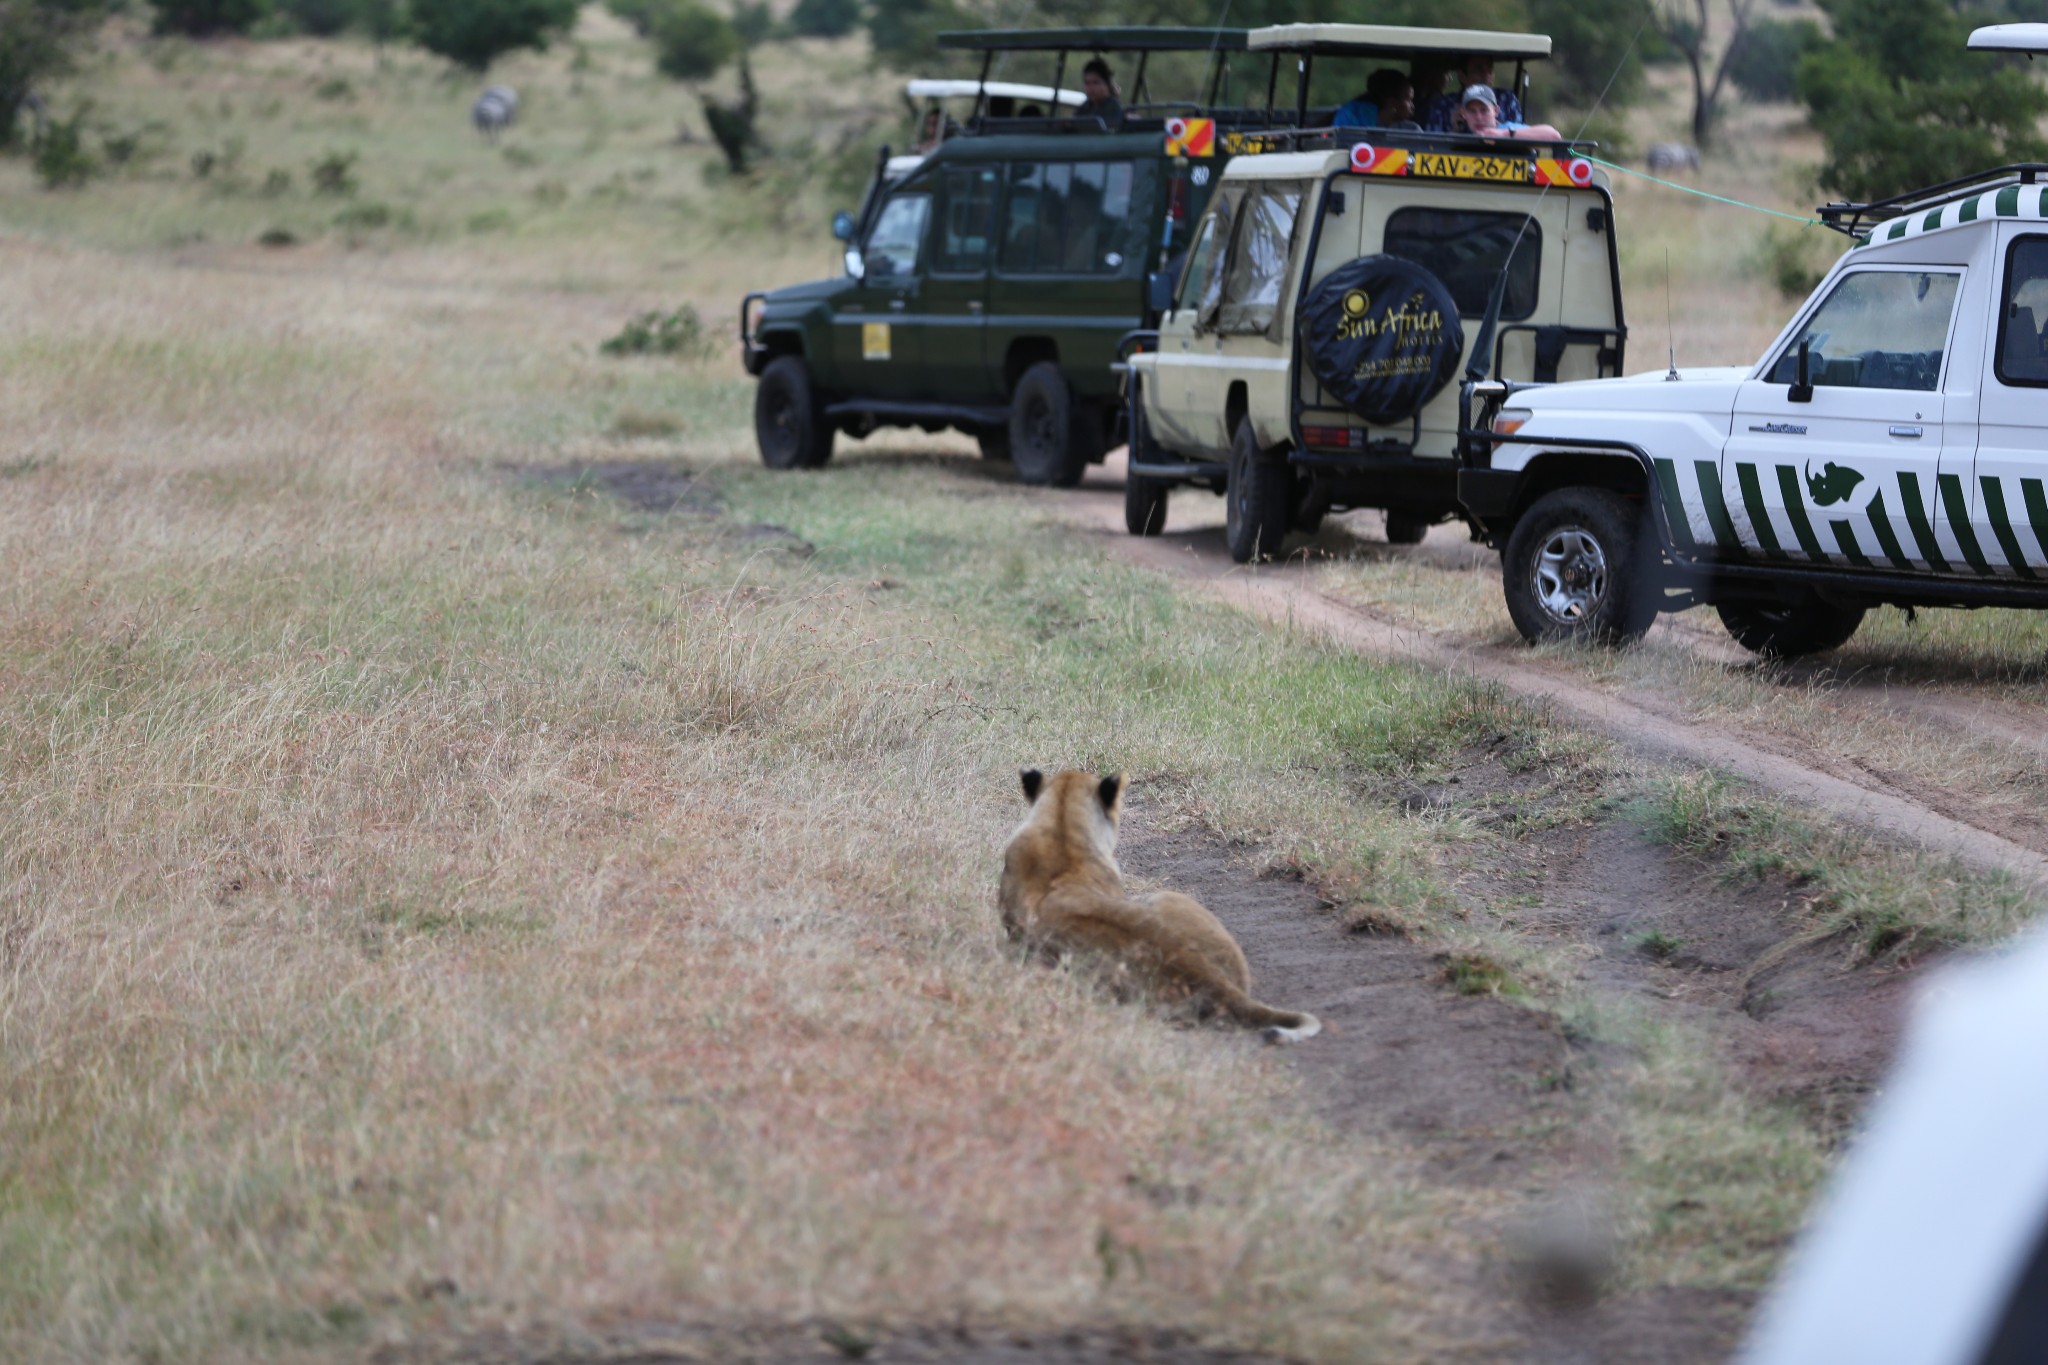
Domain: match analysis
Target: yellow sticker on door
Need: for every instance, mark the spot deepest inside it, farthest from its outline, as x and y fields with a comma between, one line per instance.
x=874, y=341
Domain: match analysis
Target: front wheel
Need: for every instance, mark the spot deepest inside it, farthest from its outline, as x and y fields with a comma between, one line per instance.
x=789, y=420
x=1572, y=569
x=1791, y=629
x=1042, y=413
x=1256, y=504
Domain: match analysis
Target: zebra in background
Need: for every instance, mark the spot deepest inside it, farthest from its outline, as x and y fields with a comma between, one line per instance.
x=495, y=110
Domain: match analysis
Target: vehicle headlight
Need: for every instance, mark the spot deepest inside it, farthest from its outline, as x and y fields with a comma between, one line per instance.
x=1508, y=421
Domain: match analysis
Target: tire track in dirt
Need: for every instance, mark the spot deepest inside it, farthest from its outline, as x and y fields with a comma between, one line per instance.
x=1281, y=593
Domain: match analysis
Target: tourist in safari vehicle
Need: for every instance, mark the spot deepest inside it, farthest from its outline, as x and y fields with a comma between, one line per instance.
x=1344, y=276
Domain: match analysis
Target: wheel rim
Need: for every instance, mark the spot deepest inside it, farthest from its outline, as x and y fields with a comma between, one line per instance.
x=782, y=419
x=1571, y=575
x=1040, y=433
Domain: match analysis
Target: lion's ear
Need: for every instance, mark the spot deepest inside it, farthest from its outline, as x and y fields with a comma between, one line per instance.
x=1033, y=780
x=1111, y=791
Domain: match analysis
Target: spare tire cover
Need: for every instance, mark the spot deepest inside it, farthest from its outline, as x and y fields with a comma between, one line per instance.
x=1383, y=335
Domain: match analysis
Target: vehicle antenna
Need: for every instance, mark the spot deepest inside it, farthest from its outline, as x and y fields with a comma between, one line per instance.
x=1670, y=332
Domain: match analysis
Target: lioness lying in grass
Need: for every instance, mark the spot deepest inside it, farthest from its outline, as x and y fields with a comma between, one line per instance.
x=1062, y=889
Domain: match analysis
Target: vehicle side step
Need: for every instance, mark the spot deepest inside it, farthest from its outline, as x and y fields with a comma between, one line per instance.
x=1180, y=469
x=953, y=414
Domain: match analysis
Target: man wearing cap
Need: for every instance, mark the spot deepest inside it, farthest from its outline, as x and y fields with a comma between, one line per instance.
x=1481, y=113
x=1443, y=111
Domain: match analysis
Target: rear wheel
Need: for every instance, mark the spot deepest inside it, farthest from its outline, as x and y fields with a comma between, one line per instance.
x=1042, y=445
x=1256, y=504
x=1573, y=569
x=1405, y=528
x=789, y=420
x=1791, y=629
x=1144, y=499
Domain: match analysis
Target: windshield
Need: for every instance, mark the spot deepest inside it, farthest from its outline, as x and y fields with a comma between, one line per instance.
x=893, y=244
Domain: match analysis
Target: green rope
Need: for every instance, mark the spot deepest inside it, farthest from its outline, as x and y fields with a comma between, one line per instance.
x=1717, y=198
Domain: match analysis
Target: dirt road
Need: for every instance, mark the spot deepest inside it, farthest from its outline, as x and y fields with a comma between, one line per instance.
x=1904, y=813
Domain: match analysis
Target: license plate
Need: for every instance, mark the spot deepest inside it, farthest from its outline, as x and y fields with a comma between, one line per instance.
x=1447, y=166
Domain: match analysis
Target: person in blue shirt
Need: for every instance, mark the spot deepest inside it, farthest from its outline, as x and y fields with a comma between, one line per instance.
x=1482, y=118
x=1388, y=101
x=1446, y=112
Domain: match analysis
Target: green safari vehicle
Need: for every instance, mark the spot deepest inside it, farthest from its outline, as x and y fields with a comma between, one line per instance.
x=989, y=286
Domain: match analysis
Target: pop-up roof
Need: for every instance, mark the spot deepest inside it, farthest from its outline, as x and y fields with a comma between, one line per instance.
x=1390, y=40
x=2028, y=38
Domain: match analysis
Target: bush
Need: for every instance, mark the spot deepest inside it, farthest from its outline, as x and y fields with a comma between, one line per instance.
x=1766, y=66
x=334, y=173
x=638, y=13
x=61, y=160
x=37, y=41
x=474, y=33
x=1794, y=259
x=320, y=18
x=753, y=21
x=206, y=18
x=691, y=40
x=824, y=18
x=656, y=333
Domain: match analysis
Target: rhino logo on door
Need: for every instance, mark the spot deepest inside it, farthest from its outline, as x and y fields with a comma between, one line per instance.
x=1832, y=485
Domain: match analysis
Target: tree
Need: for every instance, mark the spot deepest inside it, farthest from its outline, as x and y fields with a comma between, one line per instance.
x=1687, y=25
x=691, y=40
x=824, y=18
x=474, y=33
x=205, y=18
x=1901, y=102
x=38, y=39
x=1767, y=67
x=1596, y=49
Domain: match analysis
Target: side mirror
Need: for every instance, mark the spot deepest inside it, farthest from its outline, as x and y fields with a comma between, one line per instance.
x=855, y=266
x=1802, y=386
x=842, y=225
x=1159, y=291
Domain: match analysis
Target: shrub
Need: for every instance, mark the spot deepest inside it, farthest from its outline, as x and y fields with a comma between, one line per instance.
x=474, y=33
x=753, y=21
x=334, y=173
x=638, y=13
x=277, y=237
x=824, y=18
x=320, y=18
x=656, y=333
x=691, y=40
x=357, y=217
x=206, y=18
x=1766, y=66
x=61, y=159
x=38, y=39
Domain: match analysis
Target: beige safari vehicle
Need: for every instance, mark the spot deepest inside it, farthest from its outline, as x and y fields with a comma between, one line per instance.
x=1339, y=283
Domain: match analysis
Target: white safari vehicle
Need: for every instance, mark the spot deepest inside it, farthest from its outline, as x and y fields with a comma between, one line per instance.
x=1890, y=447
x=1338, y=284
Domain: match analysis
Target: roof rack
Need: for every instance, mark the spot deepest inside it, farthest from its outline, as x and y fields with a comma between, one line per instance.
x=1415, y=140
x=1856, y=218
x=1128, y=38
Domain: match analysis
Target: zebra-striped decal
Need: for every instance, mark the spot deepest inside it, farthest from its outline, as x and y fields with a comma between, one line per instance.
x=2011, y=201
x=1899, y=528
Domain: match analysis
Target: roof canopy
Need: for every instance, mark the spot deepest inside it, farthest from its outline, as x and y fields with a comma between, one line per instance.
x=2010, y=38
x=1390, y=40
x=1128, y=39
x=927, y=88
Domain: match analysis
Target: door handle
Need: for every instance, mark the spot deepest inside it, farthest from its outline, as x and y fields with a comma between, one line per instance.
x=896, y=305
x=1912, y=433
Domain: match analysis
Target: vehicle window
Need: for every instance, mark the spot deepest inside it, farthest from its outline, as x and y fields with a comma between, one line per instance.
x=1067, y=218
x=894, y=241
x=2022, y=347
x=1258, y=260
x=1201, y=261
x=1468, y=251
x=1877, y=329
x=1020, y=217
x=965, y=236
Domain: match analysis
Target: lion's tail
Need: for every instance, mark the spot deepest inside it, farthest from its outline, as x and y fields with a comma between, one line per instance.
x=1281, y=1026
